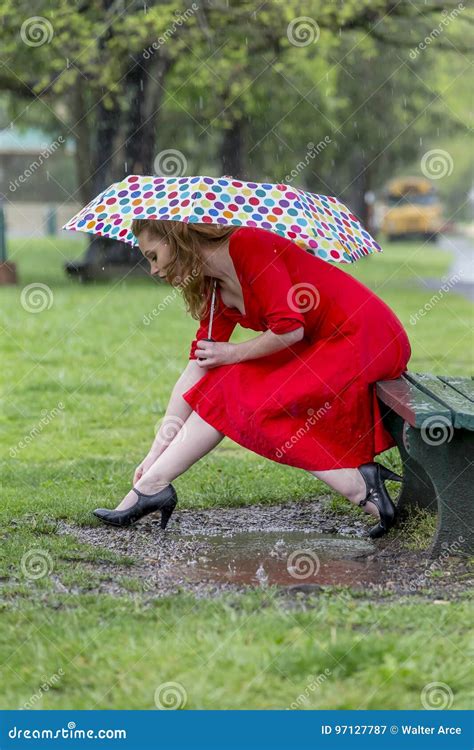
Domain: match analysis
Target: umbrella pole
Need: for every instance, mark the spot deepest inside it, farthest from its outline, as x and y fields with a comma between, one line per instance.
x=211, y=316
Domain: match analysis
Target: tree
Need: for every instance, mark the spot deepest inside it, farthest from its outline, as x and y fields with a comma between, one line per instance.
x=234, y=86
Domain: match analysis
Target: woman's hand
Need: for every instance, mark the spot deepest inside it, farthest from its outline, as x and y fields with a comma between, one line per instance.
x=215, y=353
x=142, y=469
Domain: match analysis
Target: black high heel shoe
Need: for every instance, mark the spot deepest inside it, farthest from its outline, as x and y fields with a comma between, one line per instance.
x=164, y=500
x=374, y=475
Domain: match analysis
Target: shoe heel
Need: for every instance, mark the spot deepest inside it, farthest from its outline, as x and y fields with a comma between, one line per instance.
x=388, y=474
x=166, y=514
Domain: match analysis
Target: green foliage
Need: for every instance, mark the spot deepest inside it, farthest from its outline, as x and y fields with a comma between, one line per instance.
x=188, y=80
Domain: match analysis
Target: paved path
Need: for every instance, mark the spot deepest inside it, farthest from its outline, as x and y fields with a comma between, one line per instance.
x=461, y=271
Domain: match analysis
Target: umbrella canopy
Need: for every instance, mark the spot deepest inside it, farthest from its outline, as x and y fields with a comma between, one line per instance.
x=320, y=224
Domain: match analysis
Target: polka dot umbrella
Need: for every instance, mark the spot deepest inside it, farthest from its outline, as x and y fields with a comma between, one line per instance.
x=320, y=224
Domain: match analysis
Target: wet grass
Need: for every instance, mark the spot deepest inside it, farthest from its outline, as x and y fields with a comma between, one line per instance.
x=85, y=382
x=234, y=653
x=418, y=529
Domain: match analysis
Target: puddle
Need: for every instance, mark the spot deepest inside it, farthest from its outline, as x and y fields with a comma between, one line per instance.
x=208, y=552
x=285, y=558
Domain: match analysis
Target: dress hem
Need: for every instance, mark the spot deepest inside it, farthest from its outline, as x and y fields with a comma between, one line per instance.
x=214, y=422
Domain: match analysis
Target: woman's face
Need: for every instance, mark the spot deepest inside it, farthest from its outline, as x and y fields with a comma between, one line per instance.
x=156, y=251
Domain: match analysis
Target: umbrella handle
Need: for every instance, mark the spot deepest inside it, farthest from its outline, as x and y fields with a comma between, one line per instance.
x=201, y=358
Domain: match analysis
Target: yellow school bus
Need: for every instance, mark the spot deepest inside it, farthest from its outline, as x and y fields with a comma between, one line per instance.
x=412, y=207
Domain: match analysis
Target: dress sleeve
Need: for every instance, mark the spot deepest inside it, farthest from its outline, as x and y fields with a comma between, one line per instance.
x=271, y=284
x=222, y=327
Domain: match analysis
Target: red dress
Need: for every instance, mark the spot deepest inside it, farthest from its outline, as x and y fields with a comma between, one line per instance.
x=313, y=404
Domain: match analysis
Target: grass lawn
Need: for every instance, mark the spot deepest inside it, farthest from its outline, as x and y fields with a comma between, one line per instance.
x=84, y=382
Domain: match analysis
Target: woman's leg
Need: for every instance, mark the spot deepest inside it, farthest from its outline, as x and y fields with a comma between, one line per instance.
x=350, y=483
x=195, y=438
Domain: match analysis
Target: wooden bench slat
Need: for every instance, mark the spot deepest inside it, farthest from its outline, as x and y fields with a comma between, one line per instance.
x=410, y=402
x=463, y=385
x=462, y=408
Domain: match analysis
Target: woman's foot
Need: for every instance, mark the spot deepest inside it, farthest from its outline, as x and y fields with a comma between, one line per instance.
x=130, y=498
x=377, y=497
x=164, y=500
x=360, y=493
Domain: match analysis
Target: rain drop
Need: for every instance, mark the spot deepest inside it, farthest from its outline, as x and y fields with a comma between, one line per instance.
x=261, y=575
x=231, y=569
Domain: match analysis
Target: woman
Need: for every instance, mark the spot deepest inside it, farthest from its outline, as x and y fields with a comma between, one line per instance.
x=300, y=393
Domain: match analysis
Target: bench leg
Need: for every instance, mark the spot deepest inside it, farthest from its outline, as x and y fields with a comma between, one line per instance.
x=417, y=488
x=450, y=466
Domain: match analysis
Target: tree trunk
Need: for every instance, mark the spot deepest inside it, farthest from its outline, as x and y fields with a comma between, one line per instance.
x=125, y=144
x=354, y=196
x=145, y=94
x=83, y=157
x=232, y=149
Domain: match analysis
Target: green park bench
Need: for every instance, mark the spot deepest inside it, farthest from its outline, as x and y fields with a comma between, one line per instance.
x=431, y=418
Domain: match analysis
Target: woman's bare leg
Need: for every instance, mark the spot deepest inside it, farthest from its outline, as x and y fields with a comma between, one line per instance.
x=350, y=483
x=195, y=438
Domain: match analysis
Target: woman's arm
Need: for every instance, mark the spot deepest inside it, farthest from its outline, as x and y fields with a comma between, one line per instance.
x=214, y=353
